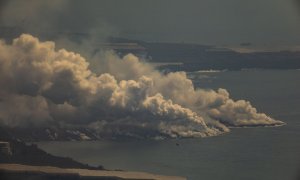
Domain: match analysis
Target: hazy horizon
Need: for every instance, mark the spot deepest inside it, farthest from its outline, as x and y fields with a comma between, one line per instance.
x=272, y=24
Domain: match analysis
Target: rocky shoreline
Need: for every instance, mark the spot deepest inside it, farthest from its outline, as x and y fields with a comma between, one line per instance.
x=27, y=161
x=11, y=171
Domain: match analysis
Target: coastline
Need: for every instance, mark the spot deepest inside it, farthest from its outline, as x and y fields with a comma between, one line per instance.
x=81, y=173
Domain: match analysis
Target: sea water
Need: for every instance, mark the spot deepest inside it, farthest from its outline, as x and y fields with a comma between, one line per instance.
x=243, y=154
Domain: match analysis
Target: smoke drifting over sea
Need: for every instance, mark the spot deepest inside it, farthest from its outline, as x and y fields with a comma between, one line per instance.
x=42, y=86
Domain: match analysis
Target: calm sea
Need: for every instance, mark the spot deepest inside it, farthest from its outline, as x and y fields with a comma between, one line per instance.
x=242, y=154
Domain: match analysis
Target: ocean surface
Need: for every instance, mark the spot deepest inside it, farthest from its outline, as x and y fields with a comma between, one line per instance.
x=242, y=154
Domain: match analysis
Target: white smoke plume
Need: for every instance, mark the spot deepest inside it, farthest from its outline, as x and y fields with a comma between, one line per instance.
x=43, y=86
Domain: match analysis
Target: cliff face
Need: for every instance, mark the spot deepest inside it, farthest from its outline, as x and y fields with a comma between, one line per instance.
x=48, y=134
x=30, y=154
x=5, y=148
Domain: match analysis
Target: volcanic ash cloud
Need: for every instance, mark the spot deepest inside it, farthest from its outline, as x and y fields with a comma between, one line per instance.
x=42, y=86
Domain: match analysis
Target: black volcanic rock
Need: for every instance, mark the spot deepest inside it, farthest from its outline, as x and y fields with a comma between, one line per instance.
x=30, y=154
x=33, y=134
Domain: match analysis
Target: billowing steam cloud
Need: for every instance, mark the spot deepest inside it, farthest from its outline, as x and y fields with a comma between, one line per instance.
x=42, y=86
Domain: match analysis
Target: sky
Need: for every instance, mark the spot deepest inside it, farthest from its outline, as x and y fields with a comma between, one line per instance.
x=212, y=22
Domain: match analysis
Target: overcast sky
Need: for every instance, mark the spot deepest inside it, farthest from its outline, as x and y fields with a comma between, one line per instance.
x=216, y=22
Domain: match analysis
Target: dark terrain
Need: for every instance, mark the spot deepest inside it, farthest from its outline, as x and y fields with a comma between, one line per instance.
x=24, y=153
